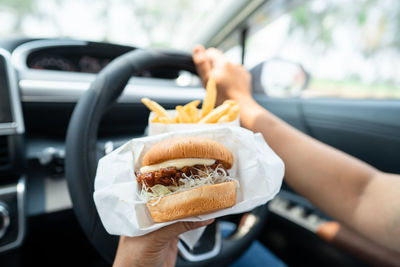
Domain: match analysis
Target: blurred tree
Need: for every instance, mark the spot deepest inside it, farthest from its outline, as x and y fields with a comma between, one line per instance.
x=20, y=8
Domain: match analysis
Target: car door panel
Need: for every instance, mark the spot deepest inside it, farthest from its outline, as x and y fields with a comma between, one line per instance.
x=288, y=109
x=366, y=129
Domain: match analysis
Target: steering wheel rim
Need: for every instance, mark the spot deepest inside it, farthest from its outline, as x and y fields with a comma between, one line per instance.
x=82, y=154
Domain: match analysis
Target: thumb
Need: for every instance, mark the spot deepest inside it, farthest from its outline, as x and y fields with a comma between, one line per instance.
x=176, y=229
x=202, y=63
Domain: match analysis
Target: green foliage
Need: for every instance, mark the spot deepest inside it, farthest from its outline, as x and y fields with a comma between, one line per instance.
x=301, y=16
x=20, y=6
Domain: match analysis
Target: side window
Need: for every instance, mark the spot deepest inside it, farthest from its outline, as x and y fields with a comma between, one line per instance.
x=350, y=48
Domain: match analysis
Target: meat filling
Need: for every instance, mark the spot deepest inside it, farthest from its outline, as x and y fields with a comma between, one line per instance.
x=171, y=176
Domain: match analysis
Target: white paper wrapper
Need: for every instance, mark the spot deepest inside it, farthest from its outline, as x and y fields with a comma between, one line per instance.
x=258, y=169
x=159, y=128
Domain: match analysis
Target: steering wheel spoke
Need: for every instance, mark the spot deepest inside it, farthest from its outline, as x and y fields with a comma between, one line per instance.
x=206, y=248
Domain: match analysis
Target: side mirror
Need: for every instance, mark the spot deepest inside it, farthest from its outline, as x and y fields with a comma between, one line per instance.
x=279, y=78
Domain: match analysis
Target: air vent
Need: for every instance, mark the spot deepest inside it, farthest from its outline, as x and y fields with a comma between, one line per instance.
x=4, y=157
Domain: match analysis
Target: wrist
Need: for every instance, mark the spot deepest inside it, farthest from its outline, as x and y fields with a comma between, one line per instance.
x=127, y=253
x=247, y=104
x=241, y=98
x=249, y=111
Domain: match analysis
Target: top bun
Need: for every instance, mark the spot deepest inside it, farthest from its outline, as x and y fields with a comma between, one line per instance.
x=188, y=147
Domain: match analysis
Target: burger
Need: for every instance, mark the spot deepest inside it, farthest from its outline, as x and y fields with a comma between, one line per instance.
x=184, y=177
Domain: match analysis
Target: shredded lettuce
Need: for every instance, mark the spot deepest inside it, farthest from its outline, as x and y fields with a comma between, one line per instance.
x=160, y=190
x=153, y=192
x=208, y=176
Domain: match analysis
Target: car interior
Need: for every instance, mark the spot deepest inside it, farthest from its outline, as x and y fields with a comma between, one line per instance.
x=70, y=94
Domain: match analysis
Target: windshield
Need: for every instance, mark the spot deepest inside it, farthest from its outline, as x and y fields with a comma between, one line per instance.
x=150, y=23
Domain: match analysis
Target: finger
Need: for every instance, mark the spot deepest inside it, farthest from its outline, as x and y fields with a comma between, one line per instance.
x=198, y=48
x=202, y=62
x=216, y=57
x=176, y=229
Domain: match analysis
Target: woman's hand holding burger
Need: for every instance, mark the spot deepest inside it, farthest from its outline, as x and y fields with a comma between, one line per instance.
x=158, y=248
x=171, y=157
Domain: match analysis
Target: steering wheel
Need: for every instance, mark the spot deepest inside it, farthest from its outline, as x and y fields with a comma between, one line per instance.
x=82, y=156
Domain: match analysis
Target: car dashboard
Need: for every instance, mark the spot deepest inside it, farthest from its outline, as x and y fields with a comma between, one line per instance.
x=45, y=79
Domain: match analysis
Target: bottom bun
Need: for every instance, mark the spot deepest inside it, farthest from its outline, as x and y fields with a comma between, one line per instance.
x=193, y=202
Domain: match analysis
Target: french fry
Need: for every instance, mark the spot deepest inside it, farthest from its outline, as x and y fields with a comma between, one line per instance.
x=195, y=114
x=214, y=115
x=194, y=103
x=164, y=120
x=223, y=119
x=230, y=102
x=178, y=114
x=211, y=97
x=182, y=115
x=192, y=112
x=189, y=113
x=221, y=111
x=231, y=116
x=155, y=107
x=234, y=113
x=156, y=119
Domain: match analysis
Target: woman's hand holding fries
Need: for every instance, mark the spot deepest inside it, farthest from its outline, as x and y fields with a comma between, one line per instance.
x=233, y=81
x=189, y=113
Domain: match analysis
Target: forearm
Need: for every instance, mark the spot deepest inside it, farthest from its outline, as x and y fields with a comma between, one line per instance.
x=378, y=212
x=330, y=179
x=344, y=187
